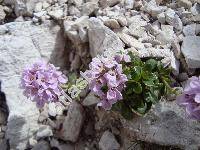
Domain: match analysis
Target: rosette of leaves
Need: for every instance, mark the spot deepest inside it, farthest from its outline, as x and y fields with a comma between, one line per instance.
x=148, y=81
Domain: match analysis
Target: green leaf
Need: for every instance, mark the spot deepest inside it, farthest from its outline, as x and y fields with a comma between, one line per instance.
x=148, y=83
x=142, y=109
x=150, y=97
x=136, y=73
x=151, y=64
x=137, y=87
x=104, y=88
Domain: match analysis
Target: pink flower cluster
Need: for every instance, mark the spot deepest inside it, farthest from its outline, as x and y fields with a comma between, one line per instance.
x=107, y=79
x=190, y=99
x=41, y=81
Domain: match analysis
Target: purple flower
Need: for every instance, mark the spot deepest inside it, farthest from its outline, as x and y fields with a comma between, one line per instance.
x=122, y=57
x=41, y=82
x=190, y=98
x=107, y=80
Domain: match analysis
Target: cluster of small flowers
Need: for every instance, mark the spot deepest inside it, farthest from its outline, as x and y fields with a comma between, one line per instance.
x=107, y=79
x=190, y=98
x=41, y=82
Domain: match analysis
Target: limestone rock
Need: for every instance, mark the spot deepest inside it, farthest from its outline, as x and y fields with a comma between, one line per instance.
x=112, y=23
x=108, y=142
x=106, y=3
x=152, y=8
x=24, y=44
x=44, y=131
x=189, y=30
x=167, y=124
x=101, y=38
x=129, y=4
x=89, y=8
x=190, y=50
x=73, y=122
x=42, y=145
x=167, y=34
x=56, y=14
x=2, y=13
x=90, y=100
x=184, y=3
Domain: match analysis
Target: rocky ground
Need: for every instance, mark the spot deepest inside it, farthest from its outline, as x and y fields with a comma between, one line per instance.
x=69, y=33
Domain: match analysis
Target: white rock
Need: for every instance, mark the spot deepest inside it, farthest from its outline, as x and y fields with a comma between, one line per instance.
x=129, y=4
x=161, y=18
x=44, y=131
x=3, y=29
x=152, y=8
x=175, y=64
x=122, y=21
x=108, y=142
x=177, y=23
x=90, y=100
x=38, y=7
x=112, y=23
x=89, y=8
x=56, y=14
x=2, y=13
x=190, y=50
x=24, y=44
x=52, y=109
x=73, y=11
x=195, y=9
x=131, y=41
x=189, y=30
x=101, y=38
x=167, y=34
x=73, y=122
x=137, y=28
x=169, y=15
x=45, y=5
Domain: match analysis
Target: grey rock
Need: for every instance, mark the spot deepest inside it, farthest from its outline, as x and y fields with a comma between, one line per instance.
x=44, y=131
x=3, y=29
x=106, y=3
x=184, y=3
x=169, y=14
x=112, y=23
x=56, y=14
x=73, y=122
x=167, y=34
x=42, y=145
x=24, y=44
x=166, y=124
x=177, y=23
x=101, y=38
x=73, y=11
x=129, y=4
x=189, y=30
x=38, y=7
x=89, y=8
x=137, y=28
x=76, y=2
x=131, y=41
x=2, y=13
x=161, y=18
x=108, y=142
x=152, y=8
x=195, y=9
x=3, y=144
x=90, y=100
x=190, y=50
x=122, y=21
